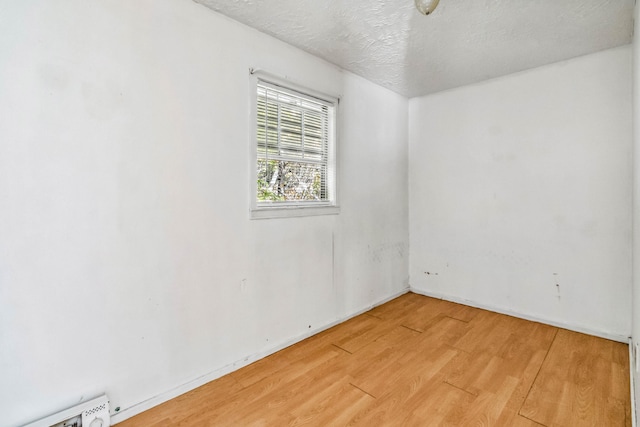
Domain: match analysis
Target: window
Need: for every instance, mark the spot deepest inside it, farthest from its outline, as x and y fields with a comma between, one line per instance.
x=294, y=145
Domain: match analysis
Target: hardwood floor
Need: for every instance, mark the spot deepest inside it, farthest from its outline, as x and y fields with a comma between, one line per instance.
x=419, y=361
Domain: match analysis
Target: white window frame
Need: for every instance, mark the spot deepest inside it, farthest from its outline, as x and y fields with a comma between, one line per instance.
x=293, y=208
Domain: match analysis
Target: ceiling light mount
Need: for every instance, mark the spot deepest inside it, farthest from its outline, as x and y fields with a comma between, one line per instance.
x=426, y=7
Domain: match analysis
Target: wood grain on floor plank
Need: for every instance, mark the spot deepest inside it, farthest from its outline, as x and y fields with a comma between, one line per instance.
x=419, y=361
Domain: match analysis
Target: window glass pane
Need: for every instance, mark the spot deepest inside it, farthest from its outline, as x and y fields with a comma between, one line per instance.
x=290, y=180
x=292, y=147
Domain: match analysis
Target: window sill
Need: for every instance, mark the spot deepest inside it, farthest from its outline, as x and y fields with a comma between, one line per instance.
x=293, y=212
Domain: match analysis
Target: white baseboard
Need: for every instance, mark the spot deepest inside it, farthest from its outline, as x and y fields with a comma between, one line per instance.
x=632, y=369
x=195, y=383
x=502, y=310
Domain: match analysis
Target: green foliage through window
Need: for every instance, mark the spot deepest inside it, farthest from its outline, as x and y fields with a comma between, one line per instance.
x=288, y=180
x=292, y=146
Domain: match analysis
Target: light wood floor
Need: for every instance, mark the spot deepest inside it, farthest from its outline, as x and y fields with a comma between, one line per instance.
x=419, y=361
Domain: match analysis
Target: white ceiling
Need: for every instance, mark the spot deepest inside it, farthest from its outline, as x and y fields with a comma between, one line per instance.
x=464, y=41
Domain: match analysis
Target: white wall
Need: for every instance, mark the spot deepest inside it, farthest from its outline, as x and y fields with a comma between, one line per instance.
x=520, y=193
x=636, y=198
x=128, y=264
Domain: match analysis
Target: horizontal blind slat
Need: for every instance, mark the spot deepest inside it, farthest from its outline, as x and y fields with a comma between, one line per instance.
x=292, y=144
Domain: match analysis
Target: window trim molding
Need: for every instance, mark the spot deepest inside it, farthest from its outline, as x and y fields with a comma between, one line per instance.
x=293, y=209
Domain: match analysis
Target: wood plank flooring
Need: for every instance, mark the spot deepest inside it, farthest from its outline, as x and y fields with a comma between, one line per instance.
x=419, y=361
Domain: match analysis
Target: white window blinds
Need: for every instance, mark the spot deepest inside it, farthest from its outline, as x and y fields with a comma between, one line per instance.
x=293, y=132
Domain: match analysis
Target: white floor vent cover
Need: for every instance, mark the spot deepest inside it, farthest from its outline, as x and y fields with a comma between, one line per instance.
x=94, y=413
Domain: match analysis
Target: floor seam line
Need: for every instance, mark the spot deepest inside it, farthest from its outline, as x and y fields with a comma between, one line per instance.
x=374, y=316
x=533, y=421
x=353, y=385
x=460, y=388
x=459, y=320
x=411, y=329
x=538, y=373
x=347, y=351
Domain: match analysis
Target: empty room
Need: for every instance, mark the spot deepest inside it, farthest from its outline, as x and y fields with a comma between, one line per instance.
x=322, y=213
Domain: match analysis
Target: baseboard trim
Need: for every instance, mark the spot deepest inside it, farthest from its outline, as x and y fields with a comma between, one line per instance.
x=202, y=380
x=502, y=310
x=632, y=381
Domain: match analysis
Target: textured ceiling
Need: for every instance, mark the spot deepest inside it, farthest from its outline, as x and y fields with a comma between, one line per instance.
x=464, y=41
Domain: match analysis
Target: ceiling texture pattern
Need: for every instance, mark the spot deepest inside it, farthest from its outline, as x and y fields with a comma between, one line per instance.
x=464, y=41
